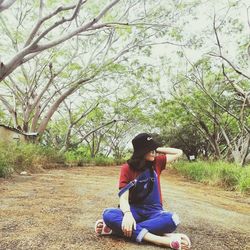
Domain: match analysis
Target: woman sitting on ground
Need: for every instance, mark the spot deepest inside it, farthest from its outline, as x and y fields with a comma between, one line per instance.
x=140, y=215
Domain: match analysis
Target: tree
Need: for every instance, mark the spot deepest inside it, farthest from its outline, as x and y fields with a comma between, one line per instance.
x=240, y=144
x=213, y=89
x=178, y=128
x=45, y=86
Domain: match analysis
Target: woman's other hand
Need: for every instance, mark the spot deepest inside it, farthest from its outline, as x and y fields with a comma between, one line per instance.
x=128, y=224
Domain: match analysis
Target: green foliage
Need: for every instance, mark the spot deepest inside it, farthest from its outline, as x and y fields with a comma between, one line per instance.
x=178, y=128
x=95, y=8
x=219, y=173
x=18, y=36
x=116, y=67
x=74, y=66
x=5, y=168
x=104, y=161
x=32, y=157
x=81, y=157
x=53, y=3
x=176, y=33
x=120, y=161
x=197, y=113
x=124, y=31
x=2, y=116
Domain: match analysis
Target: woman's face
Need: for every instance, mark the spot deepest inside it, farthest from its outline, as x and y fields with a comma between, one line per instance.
x=150, y=156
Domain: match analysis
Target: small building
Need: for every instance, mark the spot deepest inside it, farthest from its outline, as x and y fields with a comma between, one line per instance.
x=9, y=134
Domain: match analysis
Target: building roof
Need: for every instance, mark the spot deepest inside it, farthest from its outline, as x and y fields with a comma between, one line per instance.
x=19, y=131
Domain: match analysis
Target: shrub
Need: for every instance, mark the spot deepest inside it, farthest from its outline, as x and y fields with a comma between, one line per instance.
x=26, y=156
x=120, y=161
x=104, y=161
x=81, y=157
x=5, y=168
x=73, y=157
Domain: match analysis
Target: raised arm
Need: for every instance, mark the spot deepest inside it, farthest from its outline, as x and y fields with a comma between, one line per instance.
x=172, y=153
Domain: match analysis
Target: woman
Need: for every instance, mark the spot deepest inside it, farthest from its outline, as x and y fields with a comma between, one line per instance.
x=140, y=215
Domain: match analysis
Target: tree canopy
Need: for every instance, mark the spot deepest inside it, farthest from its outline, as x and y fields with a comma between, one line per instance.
x=94, y=73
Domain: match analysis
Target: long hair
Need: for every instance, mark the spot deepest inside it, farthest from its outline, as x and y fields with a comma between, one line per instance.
x=139, y=163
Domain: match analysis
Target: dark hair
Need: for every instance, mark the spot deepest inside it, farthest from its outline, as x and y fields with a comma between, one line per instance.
x=139, y=163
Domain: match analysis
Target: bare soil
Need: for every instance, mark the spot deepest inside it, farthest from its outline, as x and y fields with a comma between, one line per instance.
x=57, y=209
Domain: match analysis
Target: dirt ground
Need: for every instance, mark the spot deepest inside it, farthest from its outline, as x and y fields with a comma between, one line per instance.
x=57, y=209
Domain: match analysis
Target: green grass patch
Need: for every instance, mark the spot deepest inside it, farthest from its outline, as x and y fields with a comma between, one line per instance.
x=219, y=173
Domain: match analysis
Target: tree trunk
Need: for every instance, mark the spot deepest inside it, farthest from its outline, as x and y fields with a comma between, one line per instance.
x=241, y=151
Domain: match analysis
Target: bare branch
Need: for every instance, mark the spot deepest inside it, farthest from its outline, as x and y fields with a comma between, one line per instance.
x=56, y=24
x=221, y=106
x=232, y=66
x=248, y=16
x=33, y=47
x=6, y=104
x=78, y=30
x=88, y=111
x=38, y=98
x=60, y=99
x=41, y=9
x=41, y=21
x=5, y=4
x=96, y=129
x=16, y=91
x=8, y=33
x=159, y=25
x=237, y=88
x=216, y=35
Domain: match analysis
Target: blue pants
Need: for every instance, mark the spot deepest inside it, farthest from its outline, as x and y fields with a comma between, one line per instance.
x=149, y=218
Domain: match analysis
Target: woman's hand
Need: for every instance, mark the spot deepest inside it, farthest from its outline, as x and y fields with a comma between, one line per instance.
x=128, y=224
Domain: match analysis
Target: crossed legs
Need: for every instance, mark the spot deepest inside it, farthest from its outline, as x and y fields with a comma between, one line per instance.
x=156, y=228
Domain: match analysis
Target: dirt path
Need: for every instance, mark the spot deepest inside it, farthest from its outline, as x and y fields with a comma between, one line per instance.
x=57, y=210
